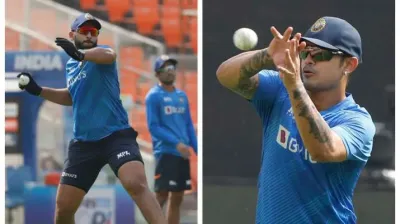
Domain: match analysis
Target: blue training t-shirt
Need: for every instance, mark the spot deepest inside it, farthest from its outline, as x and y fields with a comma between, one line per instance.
x=97, y=107
x=169, y=120
x=292, y=188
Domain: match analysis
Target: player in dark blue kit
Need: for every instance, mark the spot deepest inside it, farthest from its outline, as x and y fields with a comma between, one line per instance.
x=172, y=131
x=316, y=138
x=102, y=134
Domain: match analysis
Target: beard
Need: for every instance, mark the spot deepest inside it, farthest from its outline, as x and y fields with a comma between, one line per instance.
x=80, y=44
x=316, y=86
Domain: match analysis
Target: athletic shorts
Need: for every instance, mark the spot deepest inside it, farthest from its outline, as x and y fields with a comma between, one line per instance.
x=172, y=174
x=86, y=159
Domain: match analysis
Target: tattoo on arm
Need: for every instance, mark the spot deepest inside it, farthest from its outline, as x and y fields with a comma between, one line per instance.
x=246, y=85
x=306, y=110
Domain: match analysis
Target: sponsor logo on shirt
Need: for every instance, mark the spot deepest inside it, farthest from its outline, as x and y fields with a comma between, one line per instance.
x=290, y=143
x=173, y=110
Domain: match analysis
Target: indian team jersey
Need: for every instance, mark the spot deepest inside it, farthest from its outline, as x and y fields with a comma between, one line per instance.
x=97, y=108
x=292, y=188
x=169, y=120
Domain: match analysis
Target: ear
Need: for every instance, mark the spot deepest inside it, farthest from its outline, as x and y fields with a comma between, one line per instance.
x=350, y=65
x=71, y=35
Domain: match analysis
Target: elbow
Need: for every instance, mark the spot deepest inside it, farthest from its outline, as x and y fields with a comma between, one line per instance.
x=326, y=155
x=111, y=56
x=222, y=75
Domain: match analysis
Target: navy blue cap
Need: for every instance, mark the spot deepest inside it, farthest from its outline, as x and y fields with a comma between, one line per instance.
x=84, y=18
x=335, y=34
x=160, y=61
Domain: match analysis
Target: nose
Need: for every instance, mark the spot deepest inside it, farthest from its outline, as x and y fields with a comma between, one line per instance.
x=309, y=60
x=89, y=35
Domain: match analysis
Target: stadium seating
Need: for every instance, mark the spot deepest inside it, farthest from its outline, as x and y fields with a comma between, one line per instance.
x=162, y=20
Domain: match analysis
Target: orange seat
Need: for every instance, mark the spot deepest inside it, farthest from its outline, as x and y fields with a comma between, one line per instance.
x=189, y=4
x=146, y=17
x=193, y=34
x=88, y=4
x=171, y=29
x=174, y=3
x=117, y=9
x=132, y=56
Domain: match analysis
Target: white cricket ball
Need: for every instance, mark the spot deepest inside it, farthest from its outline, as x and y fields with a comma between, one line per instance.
x=245, y=39
x=23, y=80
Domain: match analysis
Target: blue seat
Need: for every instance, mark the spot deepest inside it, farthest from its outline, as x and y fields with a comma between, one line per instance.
x=16, y=179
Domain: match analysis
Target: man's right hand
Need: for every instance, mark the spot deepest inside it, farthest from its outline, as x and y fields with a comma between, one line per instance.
x=184, y=150
x=280, y=44
x=31, y=87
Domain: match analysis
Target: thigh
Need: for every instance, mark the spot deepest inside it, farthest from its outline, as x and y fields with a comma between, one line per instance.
x=168, y=176
x=121, y=148
x=83, y=165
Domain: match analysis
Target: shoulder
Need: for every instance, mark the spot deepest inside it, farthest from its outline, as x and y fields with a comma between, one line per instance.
x=153, y=94
x=356, y=118
x=104, y=46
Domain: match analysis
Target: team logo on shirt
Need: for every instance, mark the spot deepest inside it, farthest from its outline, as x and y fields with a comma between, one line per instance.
x=173, y=110
x=290, y=143
x=181, y=100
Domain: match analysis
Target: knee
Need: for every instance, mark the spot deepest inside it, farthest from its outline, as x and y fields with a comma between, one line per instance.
x=176, y=199
x=135, y=185
x=162, y=197
x=64, y=208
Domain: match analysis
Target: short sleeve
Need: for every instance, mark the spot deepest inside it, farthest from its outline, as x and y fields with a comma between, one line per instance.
x=269, y=87
x=357, y=135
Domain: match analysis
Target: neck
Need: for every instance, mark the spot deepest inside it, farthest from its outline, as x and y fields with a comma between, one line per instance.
x=325, y=100
x=169, y=88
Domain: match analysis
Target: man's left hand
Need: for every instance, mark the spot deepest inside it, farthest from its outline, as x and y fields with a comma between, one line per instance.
x=290, y=71
x=70, y=49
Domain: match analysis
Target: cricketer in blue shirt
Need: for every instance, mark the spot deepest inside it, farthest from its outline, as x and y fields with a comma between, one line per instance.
x=102, y=134
x=169, y=119
x=172, y=131
x=316, y=138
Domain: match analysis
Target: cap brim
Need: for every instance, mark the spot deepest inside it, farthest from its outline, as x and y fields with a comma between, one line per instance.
x=319, y=43
x=173, y=61
x=94, y=22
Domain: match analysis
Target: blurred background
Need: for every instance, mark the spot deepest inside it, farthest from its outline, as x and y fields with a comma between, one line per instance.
x=232, y=136
x=38, y=132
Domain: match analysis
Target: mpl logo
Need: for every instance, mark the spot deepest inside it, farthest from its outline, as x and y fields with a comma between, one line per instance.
x=123, y=154
x=174, y=110
x=284, y=139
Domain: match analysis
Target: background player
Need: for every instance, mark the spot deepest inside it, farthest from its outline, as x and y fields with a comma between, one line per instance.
x=101, y=130
x=316, y=138
x=172, y=131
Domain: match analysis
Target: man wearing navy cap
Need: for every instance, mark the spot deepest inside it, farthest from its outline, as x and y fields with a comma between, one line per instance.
x=316, y=138
x=102, y=134
x=172, y=131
